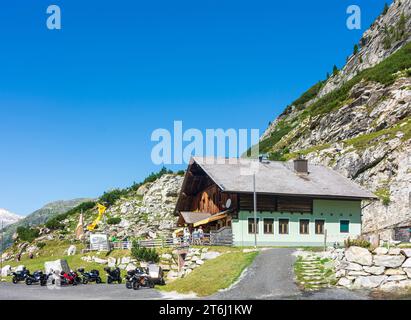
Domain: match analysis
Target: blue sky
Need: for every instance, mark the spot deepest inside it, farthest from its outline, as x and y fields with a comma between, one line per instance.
x=78, y=105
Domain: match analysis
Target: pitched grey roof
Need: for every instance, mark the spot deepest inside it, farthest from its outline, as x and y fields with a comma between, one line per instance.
x=277, y=177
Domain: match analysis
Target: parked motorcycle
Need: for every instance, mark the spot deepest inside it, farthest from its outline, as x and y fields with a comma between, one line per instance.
x=92, y=276
x=138, y=278
x=69, y=278
x=20, y=275
x=113, y=275
x=37, y=277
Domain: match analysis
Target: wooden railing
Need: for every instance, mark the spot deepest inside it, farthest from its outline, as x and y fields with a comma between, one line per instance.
x=222, y=237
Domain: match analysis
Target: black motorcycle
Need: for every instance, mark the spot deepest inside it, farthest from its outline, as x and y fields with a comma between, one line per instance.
x=113, y=275
x=138, y=278
x=92, y=276
x=20, y=275
x=37, y=277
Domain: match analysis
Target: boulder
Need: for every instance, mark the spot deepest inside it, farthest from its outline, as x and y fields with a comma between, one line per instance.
x=389, y=261
x=359, y=255
x=397, y=278
x=131, y=266
x=374, y=270
x=56, y=266
x=125, y=260
x=408, y=272
x=406, y=252
x=369, y=282
x=340, y=273
x=407, y=263
x=354, y=267
x=122, y=266
x=345, y=282
x=357, y=273
x=211, y=255
x=393, y=286
x=71, y=251
x=381, y=251
x=394, y=272
x=111, y=262
x=100, y=261
x=6, y=271
x=394, y=251
x=166, y=256
x=199, y=262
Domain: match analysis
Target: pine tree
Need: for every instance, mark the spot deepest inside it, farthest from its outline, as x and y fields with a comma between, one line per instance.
x=356, y=49
x=335, y=70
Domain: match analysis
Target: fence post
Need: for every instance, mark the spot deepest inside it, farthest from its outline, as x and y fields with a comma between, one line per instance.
x=325, y=240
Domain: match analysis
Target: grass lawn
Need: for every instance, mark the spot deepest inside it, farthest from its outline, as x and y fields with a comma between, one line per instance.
x=213, y=275
x=54, y=250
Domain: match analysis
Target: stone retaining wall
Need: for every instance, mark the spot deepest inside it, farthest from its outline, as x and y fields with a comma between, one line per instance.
x=382, y=268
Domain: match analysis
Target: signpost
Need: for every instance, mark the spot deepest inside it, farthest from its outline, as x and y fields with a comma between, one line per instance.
x=255, y=212
x=1, y=248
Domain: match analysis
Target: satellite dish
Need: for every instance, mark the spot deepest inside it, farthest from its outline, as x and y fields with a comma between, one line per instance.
x=228, y=203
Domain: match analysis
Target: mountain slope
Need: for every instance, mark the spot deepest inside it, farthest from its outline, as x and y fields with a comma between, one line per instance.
x=359, y=120
x=40, y=216
x=7, y=217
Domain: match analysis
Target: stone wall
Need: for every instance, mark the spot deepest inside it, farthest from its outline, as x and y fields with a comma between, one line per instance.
x=382, y=268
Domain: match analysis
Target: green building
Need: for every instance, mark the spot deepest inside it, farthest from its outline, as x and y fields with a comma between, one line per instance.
x=297, y=203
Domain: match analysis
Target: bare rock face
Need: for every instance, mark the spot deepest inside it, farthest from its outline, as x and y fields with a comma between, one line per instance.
x=359, y=255
x=367, y=137
x=374, y=48
x=148, y=214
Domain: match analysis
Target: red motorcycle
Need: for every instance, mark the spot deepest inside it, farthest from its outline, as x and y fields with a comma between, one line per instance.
x=69, y=278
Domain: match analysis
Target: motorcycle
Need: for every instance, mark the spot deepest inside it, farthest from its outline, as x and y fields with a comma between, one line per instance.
x=20, y=275
x=92, y=276
x=69, y=278
x=138, y=278
x=37, y=277
x=113, y=275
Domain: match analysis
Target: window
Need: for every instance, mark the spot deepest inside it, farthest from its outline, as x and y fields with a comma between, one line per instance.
x=268, y=226
x=283, y=226
x=319, y=226
x=344, y=226
x=251, y=225
x=304, y=226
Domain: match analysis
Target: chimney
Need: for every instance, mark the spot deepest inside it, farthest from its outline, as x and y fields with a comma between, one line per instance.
x=301, y=165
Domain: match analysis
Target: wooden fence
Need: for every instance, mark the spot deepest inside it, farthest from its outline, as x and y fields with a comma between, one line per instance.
x=222, y=237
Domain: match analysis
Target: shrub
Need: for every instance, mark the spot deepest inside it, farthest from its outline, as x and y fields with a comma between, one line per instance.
x=27, y=234
x=384, y=195
x=41, y=245
x=54, y=223
x=109, y=198
x=357, y=243
x=144, y=254
x=113, y=221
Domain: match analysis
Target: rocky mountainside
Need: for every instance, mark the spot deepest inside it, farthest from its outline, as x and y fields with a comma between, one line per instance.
x=7, y=217
x=358, y=121
x=145, y=213
x=40, y=216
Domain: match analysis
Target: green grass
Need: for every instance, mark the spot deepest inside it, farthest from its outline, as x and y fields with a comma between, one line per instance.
x=54, y=250
x=213, y=275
